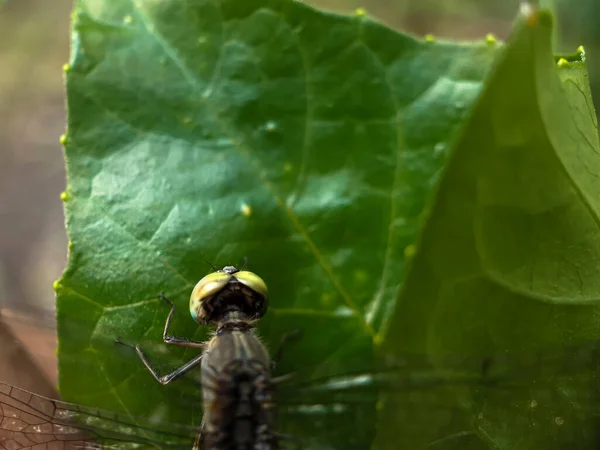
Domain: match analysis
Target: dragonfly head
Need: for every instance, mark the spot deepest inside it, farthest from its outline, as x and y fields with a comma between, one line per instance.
x=226, y=290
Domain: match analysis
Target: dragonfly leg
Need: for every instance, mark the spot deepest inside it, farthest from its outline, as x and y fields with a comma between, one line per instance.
x=199, y=442
x=172, y=339
x=166, y=379
x=286, y=339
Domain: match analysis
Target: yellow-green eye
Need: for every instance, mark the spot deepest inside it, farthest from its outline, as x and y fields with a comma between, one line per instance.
x=228, y=291
x=205, y=289
x=253, y=281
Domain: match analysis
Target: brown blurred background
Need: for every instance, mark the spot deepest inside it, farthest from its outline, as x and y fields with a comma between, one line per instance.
x=34, y=44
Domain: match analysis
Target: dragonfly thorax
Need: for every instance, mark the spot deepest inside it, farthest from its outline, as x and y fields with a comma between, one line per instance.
x=228, y=291
x=234, y=320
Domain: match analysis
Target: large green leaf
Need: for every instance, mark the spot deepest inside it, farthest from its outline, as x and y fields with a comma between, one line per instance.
x=508, y=261
x=310, y=143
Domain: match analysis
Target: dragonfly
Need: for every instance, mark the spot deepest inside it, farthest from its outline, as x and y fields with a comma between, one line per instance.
x=543, y=399
x=237, y=387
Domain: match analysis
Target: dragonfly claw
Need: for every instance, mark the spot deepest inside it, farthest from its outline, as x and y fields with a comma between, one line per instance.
x=164, y=297
x=120, y=342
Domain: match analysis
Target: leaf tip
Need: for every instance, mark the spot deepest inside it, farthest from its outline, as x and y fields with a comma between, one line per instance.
x=535, y=16
x=429, y=38
x=63, y=139
x=66, y=68
x=360, y=12
x=56, y=286
x=64, y=196
x=525, y=8
x=562, y=63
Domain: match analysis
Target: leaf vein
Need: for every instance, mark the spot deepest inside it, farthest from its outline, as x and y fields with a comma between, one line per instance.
x=166, y=46
x=377, y=303
x=144, y=245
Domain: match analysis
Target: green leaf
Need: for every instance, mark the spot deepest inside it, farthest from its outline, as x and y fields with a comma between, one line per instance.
x=310, y=143
x=508, y=264
x=303, y=140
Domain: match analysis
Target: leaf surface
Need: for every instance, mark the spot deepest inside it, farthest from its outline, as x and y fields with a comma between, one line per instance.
x=310, y=143
x=507, y=263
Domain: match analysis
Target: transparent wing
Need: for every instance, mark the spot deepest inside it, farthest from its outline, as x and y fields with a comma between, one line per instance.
x=525, y=401
x=30, y=421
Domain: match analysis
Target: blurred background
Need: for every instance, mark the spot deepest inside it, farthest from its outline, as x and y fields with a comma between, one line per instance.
x=34, y=45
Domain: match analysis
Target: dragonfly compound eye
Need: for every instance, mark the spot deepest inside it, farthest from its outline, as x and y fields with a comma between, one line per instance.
x=225, y=291
x=259, y=292
x=204, y=290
